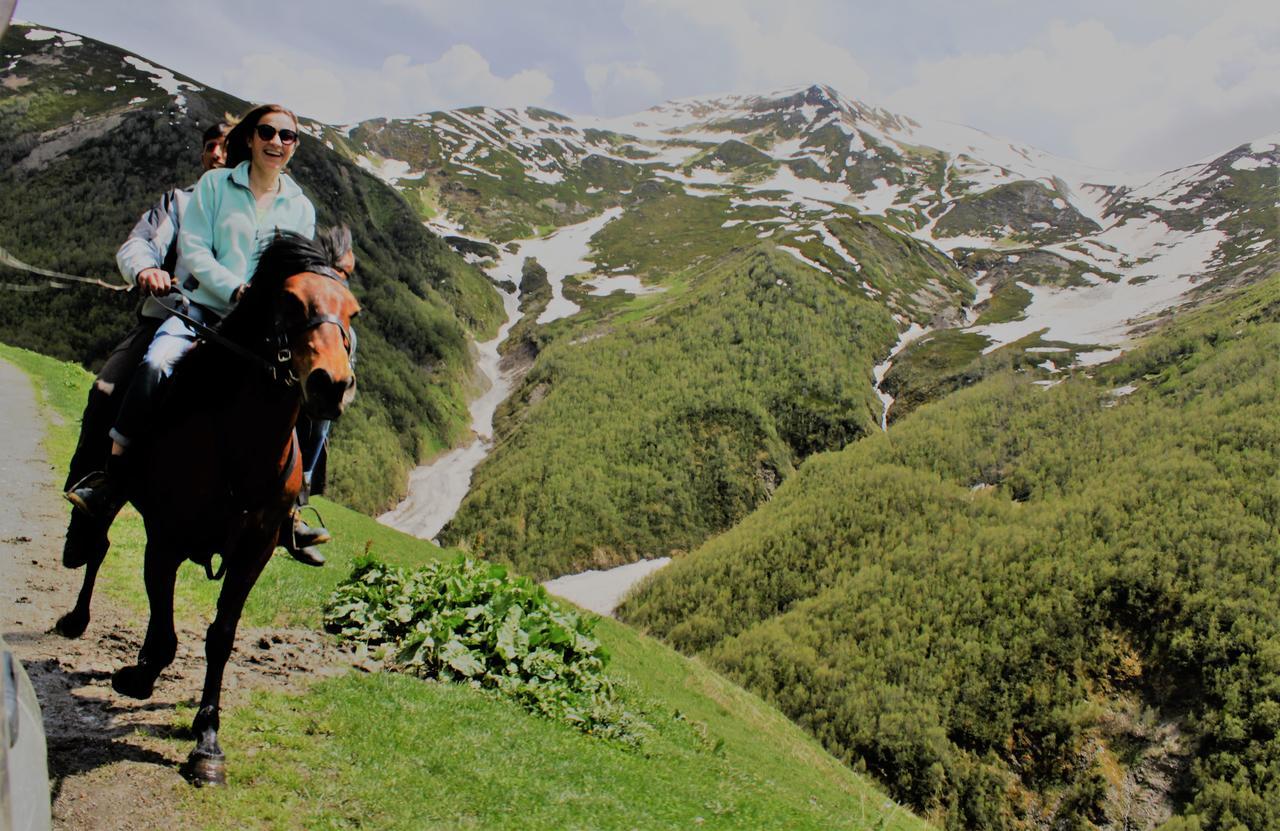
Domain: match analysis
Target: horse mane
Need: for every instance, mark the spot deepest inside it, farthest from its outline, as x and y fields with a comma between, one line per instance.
x=285, y=255
x=209, y=369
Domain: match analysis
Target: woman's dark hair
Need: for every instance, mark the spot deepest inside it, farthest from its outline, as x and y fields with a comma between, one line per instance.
x=334, y=241
x=238, y=138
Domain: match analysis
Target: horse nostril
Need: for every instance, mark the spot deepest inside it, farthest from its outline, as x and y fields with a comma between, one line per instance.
x=324, y=391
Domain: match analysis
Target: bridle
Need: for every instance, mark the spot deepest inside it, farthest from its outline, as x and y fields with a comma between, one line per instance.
x=279, y=367
x=281, y=370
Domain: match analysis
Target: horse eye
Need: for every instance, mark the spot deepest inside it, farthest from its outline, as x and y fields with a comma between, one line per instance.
x=292, y=306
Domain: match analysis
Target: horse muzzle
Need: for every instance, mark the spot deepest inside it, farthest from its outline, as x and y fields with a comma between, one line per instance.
x=326, y=397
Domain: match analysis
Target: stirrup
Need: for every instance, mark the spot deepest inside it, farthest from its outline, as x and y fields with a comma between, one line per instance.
x=313, y=535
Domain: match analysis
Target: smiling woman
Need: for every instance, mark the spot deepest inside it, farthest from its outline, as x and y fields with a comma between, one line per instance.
x=232, y=213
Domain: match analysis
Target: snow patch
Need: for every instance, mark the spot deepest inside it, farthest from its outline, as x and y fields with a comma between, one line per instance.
x=1095, y=314
x=799, y=255
x=785, y=179
x=164, y=79
x=390, y=171
x=912, y=333
x=603, y=286
x=879, y=200
x=1250, y=163
x=547, y=177
x=1099, y=356
x=562, y=254
x=833, y=242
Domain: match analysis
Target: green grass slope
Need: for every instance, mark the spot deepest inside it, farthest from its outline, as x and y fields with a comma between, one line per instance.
x=393, y=752
x=1025, y=608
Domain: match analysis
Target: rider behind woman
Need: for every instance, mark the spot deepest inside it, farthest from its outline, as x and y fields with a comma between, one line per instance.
x=233, y=213
x=147, y=259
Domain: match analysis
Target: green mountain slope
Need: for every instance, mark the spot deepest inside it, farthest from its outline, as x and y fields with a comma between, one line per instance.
x=673, y=426
x=394, y=752
x=647, y=424
x=1020, y=606
x=88, y=141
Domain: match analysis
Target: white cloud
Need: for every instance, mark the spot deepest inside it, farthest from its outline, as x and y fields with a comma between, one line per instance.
x=760, y=46
x=620, y=87
x=1130, y=105
x=399, y=87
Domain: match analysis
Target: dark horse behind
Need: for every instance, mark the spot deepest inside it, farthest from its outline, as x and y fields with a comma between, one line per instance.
x=221, y=470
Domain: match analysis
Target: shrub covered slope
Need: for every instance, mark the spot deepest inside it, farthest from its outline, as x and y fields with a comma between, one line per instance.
x=1018, y=601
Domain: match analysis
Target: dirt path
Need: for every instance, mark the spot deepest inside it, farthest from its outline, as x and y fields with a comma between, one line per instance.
x=109, y=764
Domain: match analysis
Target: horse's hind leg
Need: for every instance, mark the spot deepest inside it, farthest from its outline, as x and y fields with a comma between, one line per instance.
x=86, y=545
x=206, y=765
x=160, y=571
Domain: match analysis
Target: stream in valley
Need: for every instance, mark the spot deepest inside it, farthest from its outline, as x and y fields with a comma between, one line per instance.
x=436, y=489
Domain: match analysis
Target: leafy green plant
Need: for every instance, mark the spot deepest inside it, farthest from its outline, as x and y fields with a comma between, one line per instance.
x=471, y=622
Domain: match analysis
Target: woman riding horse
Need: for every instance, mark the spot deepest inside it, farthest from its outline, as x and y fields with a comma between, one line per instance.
x=232, y=213
x=239, y=475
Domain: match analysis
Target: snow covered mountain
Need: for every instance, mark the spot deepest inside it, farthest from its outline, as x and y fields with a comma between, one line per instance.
x=1080, y=256
x=1090, y=252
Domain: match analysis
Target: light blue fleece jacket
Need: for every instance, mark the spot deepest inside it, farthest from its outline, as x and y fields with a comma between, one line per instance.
x=221, y=235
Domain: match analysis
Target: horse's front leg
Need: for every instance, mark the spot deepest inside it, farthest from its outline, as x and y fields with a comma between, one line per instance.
x=160, y=572
x=207, y=765
x=86, y=545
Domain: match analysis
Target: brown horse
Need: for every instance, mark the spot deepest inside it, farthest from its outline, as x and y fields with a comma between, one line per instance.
x=222, y=469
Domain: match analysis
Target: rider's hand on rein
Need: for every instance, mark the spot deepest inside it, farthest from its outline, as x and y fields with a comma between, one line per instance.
x=154, y=281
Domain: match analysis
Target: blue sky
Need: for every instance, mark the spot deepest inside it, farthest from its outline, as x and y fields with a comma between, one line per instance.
x=1129, y=84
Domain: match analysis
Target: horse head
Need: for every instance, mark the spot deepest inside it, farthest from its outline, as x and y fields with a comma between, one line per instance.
x=314, y=315
x=306, y=308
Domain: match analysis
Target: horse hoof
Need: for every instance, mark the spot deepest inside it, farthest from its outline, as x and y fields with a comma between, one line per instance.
x=133, y=682
x=71, y=625
x=203, y=769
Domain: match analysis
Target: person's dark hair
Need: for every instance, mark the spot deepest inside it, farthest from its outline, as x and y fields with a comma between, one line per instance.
x=214, y=131
x=335, y=242
x=238, y=138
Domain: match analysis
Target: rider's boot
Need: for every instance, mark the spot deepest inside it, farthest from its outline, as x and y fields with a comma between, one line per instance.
x=102, y=494
x=301, y=539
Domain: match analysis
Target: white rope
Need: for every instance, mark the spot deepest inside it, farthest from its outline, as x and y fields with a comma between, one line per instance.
x=13, y=262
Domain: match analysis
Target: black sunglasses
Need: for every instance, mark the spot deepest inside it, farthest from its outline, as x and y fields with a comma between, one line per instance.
x=266, y=132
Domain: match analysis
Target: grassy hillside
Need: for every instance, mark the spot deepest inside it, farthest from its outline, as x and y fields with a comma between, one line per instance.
x=88, y=142
x=1024, y=608
x=393, y=752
